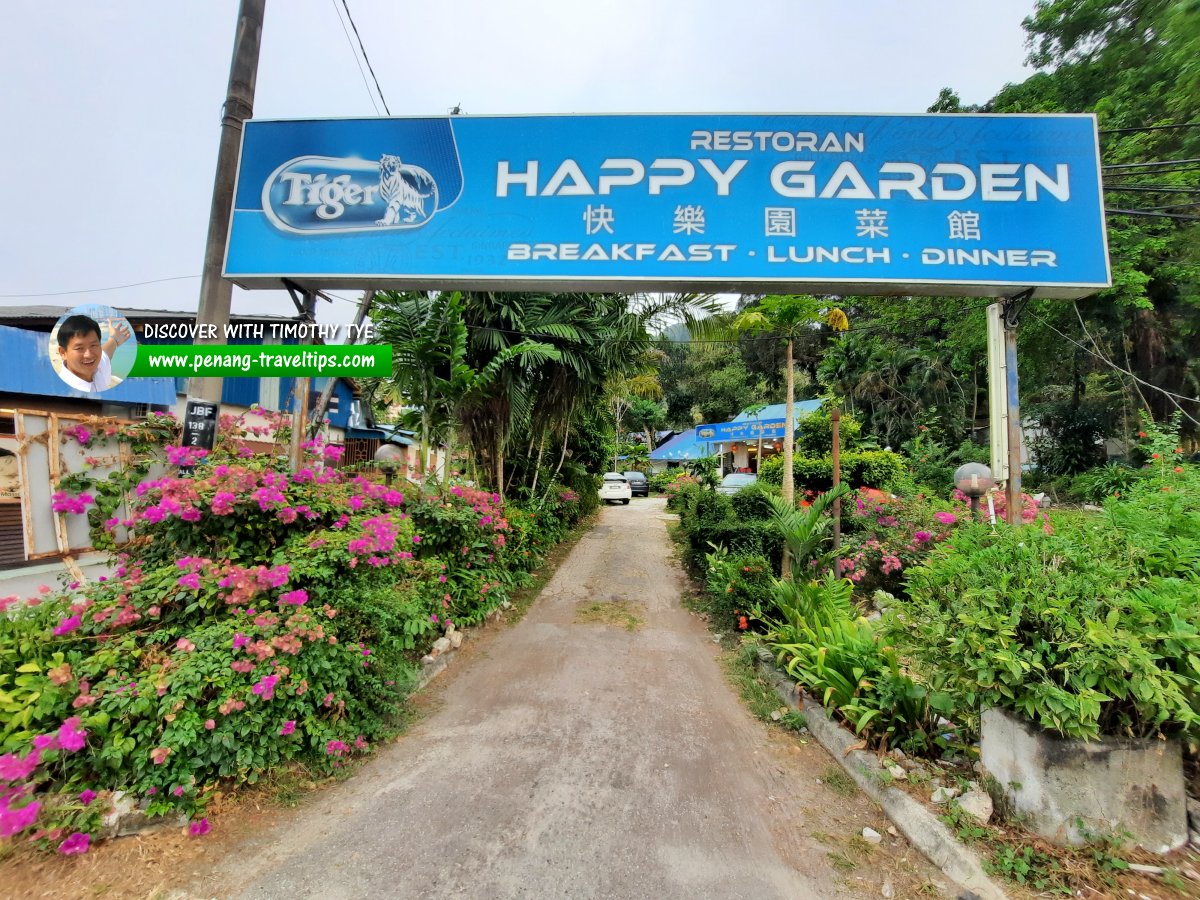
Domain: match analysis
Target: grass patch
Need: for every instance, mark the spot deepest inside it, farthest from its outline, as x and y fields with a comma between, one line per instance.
x=620, y=613
x=839, y=782
x=842, y=862
x=742, y=673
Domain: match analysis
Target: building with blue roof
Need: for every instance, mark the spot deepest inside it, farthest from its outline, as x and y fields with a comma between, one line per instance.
x=735, y=455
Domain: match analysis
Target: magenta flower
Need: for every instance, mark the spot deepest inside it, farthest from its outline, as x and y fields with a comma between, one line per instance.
x=46, y=741
x=191, y=580
x=265, y=687
x=67, y=625
x=70, y=736
x=946, y=518
x=200, y=827
x=14, y=768
x=240, y=640
x=87, y=796
x=336, y=748
x=288, y=728
x=14, y=820
x=75, y=844
x=178, y=791
x=209, y=724
x=159, y=755
x=295, y=598
x=923, y=537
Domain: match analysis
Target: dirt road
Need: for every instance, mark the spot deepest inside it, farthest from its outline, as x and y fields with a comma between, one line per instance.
x=579, y=758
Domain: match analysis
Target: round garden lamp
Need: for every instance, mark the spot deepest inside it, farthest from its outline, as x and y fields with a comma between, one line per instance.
x=388, y=456
x=974, y=480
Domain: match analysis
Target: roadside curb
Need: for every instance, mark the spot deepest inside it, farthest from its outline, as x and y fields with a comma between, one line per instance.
x=923, y=830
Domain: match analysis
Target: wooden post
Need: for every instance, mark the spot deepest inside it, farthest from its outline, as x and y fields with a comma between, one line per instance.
x=836, y=418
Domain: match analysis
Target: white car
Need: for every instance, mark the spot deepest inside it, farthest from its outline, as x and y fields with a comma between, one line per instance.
x=615, y=487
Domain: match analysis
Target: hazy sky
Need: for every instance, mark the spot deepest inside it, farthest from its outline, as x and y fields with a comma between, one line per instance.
x=112, y=107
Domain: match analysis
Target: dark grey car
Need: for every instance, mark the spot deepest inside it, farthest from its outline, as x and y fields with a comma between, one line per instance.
x=639, y=484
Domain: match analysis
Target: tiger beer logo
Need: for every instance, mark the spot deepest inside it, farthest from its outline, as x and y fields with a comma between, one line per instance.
x=331, y=194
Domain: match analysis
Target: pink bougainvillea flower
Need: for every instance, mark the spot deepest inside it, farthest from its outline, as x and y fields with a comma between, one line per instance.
x=922, y=537
x=14, y=820
x=67, y=625
x=209, y=724
x=185, y=645
x=336, y=748
x=44, y=588
x=265, y=687
x=295, y=598
x=200, y=827
x=946, y=518
x=87, y=796
x=77, y=843
x=191, y=580
x=159, y=755
x=178, y=790
x=240, y=640
x=71, y=736
x=288, y=728
x=19, y=768
x=46, y=741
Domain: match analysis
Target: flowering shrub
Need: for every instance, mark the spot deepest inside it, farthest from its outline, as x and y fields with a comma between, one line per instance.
x=254, y=616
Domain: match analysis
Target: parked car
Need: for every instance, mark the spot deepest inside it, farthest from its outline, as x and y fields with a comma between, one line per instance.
x=615, y=487
x=639, y=484
x=736, y=481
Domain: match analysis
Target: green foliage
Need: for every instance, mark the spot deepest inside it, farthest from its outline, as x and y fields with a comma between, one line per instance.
x=737, y=583
x=705, y=470
x=257, y=616
x=863, y=468
x=1112, y=480
x=815, y=438
x=806, y=531
x=840, y=659
x=932, y=464
x=1092, y=630
x=1071, y=439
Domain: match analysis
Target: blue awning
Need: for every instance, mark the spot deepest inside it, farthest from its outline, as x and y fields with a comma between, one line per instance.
x=27, y=370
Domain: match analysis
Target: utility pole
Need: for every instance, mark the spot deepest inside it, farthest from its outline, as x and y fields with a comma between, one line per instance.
x=318, y=415
x=215, y=292
x=1012, y=490
x=301, y=387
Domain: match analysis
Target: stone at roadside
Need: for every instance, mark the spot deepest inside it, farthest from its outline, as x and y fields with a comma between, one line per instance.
x=456, y=639
x=450, y=629
x=944, y=794
x=440, y=646
x=776, y=715
x=1193, y=813
x=892, y=831
x=887, y=890
x=978, y=803
x=1091, y=507
x=871, y=836
x=897, y=753
x=897, y=772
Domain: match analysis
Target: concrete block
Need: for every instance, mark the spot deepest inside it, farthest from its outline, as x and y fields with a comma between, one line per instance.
x=1112, y=785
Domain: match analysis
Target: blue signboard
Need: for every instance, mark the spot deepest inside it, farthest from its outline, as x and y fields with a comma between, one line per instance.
x=741, y=431
x=934, y=204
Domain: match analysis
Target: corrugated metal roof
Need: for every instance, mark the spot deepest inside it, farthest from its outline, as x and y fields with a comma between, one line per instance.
x=27, y=370
x=688, y=446
x=778, y=410
x=50, y=313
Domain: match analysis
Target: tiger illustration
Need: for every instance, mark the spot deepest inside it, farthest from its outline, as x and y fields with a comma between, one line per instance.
x=400, y=187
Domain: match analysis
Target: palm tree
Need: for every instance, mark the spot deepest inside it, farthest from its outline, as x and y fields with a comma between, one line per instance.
x=789, y=316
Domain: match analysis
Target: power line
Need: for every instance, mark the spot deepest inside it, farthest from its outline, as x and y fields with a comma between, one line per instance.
x=366, y=58
x=354, y=53
x=115, y=287
x=1151, y=189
